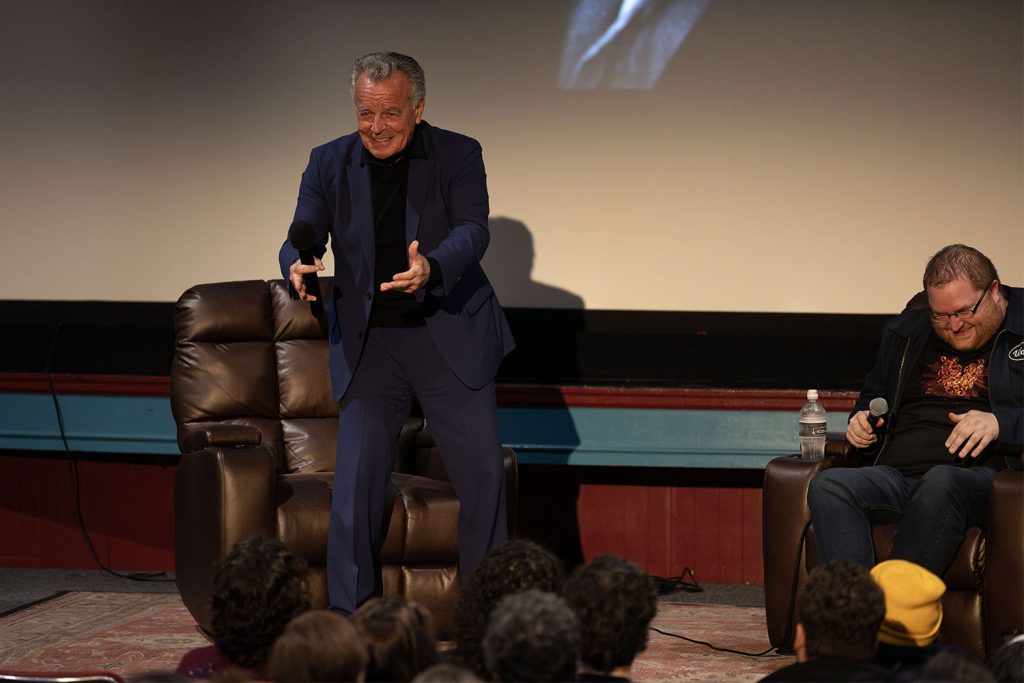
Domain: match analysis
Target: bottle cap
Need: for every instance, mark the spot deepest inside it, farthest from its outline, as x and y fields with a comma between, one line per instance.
x=812, y=394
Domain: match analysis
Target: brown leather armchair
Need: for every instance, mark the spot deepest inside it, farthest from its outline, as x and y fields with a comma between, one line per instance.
x=257, y=428
x=984, y=597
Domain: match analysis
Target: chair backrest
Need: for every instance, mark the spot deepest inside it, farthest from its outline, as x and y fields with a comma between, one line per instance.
x=247, y=354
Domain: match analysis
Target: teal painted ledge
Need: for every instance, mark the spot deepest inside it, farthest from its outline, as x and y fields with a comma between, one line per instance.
x=601, y=437
x=92, y=424
x=553, y=435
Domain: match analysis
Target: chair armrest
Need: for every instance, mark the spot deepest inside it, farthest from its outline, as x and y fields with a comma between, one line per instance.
x=837, y=446
x=785, y=518
x=428, y=463
x=1003, y=603
x=786, y=479
x=221, y=496
x=223, y=435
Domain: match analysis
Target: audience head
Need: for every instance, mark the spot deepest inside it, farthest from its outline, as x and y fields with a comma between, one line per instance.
x=258, y=588
x=318, y=646
x=913, y=603
x=532, y=635
x=956, y=665
x=839, y=611
x=514, y=566
x=1007, y=664
x=398, y=636
x=446, y=673
x=231, y=674
x=615, y=601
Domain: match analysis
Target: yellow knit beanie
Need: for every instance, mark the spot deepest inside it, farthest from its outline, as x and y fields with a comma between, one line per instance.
x=913, y=603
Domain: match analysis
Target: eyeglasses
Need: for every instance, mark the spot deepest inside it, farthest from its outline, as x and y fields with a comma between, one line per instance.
x=966, y=314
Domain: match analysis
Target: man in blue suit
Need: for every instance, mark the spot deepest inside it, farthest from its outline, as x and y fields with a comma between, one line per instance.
x=412, y=313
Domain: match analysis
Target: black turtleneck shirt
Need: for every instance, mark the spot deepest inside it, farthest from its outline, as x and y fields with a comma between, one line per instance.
x=389, y=179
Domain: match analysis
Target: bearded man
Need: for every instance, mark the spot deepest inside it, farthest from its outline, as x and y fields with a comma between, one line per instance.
x=953, y=375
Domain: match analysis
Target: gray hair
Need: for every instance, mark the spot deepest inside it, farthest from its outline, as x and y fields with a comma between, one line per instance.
x=377, y=66
x=532, y=635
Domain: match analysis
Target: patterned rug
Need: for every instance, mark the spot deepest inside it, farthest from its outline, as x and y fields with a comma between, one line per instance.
x=126, y=633
x=742, y=629
x=129, y=633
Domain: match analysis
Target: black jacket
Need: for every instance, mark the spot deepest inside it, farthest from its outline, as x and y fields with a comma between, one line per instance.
x=902, y=341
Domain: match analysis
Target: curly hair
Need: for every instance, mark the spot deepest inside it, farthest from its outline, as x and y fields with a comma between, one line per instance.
x=957, y=665
x=615, y=601
x=841, y=608
x=399, y=638
x=514, y=566
x=532, y=635
x=1008, y=661
x=258, y=588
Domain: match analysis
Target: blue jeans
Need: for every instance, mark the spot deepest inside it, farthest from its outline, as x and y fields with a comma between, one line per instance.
x=933, y=511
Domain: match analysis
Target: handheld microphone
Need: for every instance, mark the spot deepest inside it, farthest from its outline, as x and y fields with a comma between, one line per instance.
x=303, y=237
x=876, y=411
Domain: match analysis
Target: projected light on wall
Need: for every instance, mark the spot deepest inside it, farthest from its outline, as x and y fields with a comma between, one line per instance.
x=624, y=44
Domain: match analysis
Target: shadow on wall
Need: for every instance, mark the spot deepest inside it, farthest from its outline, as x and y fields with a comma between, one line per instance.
x=509, y=266
x=546, y=322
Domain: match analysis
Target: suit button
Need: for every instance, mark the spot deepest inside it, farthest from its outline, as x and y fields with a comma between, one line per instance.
x=369, y=296
x=359, y=334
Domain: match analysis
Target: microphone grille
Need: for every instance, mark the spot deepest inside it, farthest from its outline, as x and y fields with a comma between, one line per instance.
x=302, y=235
x=878, y=406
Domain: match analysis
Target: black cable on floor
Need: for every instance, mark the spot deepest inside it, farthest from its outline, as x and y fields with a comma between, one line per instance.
x=74, y=482
x=679, y=583
x=713, y=647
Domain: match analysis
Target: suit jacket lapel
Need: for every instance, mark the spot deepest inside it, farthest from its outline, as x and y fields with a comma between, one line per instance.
x=416, y=196
x=420, y=177
x=361, y=189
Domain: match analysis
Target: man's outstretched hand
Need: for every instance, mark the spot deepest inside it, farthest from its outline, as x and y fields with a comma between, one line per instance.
x=410, y=280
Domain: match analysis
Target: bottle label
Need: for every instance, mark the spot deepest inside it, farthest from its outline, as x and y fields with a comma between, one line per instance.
x=813, y=428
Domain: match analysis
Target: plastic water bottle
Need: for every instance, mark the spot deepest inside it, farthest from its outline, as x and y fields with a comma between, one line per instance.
x=813, y=426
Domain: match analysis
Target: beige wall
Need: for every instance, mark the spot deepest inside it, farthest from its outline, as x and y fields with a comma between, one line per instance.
x=800, y=156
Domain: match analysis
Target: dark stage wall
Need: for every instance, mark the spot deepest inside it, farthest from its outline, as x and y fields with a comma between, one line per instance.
x=707, y=520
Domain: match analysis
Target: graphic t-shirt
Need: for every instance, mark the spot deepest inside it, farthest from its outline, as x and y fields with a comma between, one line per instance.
x=943, y=381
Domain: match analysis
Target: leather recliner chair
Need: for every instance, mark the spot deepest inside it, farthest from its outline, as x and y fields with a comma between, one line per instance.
x=984, y=599
x=257, y=427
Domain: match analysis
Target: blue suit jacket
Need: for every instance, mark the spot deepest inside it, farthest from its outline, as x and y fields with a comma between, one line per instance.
x=446, y=210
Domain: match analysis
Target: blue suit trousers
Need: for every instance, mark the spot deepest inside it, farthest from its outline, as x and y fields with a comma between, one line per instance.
x=396, y=364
